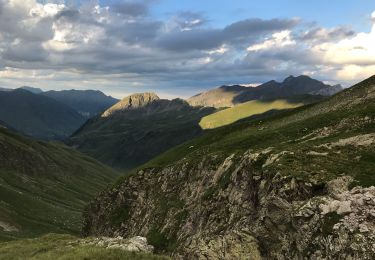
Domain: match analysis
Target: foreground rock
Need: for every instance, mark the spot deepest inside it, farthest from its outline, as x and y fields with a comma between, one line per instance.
x=134, y=244
x=232, y=211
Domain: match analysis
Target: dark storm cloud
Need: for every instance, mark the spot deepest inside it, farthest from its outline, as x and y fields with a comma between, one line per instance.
x=201, y=39
x=141, y=32
x=322, y=34
x=70, y=14
x=132, y=9
x=246, y=31
x=252, y=27
x=25, y=51
x=187, y=20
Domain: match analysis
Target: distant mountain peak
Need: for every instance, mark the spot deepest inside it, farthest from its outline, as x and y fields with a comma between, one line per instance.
x=88, y=103
x=291, y=77
x=229, y=96
x=133, y=101
x=32, y=89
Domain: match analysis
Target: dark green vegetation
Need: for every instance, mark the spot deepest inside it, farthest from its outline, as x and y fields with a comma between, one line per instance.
x=54, y=246
x=139, y=129
x=228, y=96
x=38, y=116
x=44, y=186
x=303, y=131
x=88, y=103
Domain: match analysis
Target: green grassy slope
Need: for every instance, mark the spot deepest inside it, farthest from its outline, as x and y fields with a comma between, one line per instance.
x=305, y=131
x=44, y=186
x=54, y=246
x=250, y=108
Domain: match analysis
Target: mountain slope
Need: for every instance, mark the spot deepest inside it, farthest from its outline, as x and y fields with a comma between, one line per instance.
x=253, y=108
x=228, y=96
x=86, y=102
x=44, y=186
x=38, y=116
x=292, y=186
x=137, y=129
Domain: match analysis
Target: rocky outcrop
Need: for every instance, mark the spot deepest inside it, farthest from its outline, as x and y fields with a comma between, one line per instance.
x=231, y=208
x=328, y=91
x=134, y=244
x=131, y=102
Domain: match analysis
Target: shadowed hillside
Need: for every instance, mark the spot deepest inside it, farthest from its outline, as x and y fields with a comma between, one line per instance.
x=137, y=129
x=44, y=186
x=88, y=103
x=38, y=116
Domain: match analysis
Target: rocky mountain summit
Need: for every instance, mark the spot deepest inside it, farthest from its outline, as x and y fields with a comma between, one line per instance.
x=299, y=185
x=134, y=101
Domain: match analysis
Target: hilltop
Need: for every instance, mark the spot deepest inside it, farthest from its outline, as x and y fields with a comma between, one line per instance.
x=134, y=101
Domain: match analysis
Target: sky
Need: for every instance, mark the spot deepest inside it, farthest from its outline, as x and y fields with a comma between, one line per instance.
x=180, y=48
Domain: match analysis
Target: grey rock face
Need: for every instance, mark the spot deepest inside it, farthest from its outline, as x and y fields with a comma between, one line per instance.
x=131, y=102
x=228, y=208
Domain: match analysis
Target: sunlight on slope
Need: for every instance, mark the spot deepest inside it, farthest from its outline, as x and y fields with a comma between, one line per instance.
x=254, y=107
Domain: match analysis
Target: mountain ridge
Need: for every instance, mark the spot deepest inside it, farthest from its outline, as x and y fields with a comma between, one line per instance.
x=38, y=116
x=228, y=96
x=88, y=103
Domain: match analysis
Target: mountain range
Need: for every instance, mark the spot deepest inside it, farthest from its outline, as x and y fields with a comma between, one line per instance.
x=298, y=184
x=51, y=115
x=142, y=125
x=229, y=96
x=38, y=116
x=88, y=103
x=200, y=180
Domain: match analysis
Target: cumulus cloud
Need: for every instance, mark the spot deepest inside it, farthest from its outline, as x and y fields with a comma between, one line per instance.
x=124, y=45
